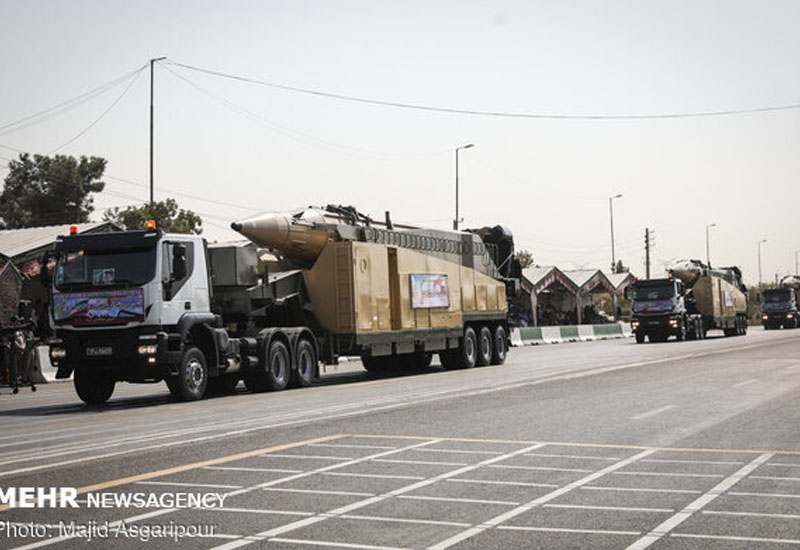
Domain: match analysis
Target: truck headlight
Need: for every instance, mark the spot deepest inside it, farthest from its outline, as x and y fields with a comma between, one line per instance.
x=58, y=353
x=765, y=316
x=148, y=349
x=789, y=315
x=634, y=324
x=673, y=322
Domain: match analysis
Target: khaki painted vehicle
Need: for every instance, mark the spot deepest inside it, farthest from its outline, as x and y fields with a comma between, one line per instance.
x=691, y=301
x=310, y=286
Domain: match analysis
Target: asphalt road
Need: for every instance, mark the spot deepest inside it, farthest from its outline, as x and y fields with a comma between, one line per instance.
x=592, y=445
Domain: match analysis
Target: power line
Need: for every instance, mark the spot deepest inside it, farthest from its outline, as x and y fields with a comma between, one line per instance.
x=473, y=112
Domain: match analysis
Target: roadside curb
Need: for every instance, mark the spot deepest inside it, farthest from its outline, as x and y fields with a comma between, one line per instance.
x=532, y=336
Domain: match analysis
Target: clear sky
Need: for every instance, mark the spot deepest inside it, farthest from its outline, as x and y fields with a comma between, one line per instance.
x=227, y=149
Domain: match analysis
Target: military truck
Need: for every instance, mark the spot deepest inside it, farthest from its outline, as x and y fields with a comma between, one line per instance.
x=147, y=306
x=779, y=307
x=692, y=300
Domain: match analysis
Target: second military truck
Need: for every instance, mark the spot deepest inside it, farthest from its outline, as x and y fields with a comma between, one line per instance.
x=146, y=306
x=691, y=301
x=779, y=307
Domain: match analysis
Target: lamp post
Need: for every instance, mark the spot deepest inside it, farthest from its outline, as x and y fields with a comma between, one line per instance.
x=611, y=212
x=152, y=63
x=708, y=253
x=455, y=221
x=796, y=263
x=759, y=261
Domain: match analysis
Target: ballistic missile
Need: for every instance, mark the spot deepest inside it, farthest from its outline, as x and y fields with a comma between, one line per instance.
x=293, y=234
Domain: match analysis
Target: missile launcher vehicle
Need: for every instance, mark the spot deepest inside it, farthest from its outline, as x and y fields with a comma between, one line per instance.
x=307, y=287
x=692, y=300
x=779, y=306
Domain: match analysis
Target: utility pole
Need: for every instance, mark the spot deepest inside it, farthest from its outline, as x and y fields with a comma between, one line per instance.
x=647, y=252
x=611, y=218
x=456, y=219
x=152, y=63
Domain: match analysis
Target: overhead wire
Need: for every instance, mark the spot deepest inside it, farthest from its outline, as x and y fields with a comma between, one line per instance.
x=475, y=112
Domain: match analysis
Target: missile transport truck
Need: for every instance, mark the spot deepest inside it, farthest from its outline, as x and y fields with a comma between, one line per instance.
x=147, y=306
x=779, y=306
x=691, y=301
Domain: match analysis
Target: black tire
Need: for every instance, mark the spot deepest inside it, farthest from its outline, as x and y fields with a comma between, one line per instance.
x=375, y=365
x=484, y=346
x=279, y=366
x=92, y=388
x=449, y=359
x=222, y=385
x=306, y=367
x=192, y=378
x=681, y=336
x=468, y=350
x=499, y=346
x=640, y=337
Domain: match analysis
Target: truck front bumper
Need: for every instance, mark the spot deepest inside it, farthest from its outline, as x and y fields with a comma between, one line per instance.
x=656, y=324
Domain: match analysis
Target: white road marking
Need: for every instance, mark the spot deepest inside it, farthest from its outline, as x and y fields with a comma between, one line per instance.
x=738, y=539
x=497, y=520
x=184, y=484
x=783, y=465
x=715, y=462
x=765, y=495
x=744, y=383
x=465, y=500
x=254, y=511
x=353, y=446
x=335, y=544
x=374, y=476
x=577, y=457
x=311, y=457
x=610, y=508
x=420, y=462
x=457, y=451
x=494, y=482
x=317, y=492
x=641, y=490
x=776, y=478
x=654, y=412
x=667, y=474
x=542, y=468
x=243, y=469
x=558, y=530
x=659, y=532
x=750, y=514
x=278, y=531
x=406, y=520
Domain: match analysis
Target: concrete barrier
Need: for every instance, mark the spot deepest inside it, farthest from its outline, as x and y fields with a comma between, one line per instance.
x=531, y=336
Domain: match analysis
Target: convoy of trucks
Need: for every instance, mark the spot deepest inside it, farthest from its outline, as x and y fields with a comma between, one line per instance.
x=146, y=306
x=692, y=300
x=779, y=307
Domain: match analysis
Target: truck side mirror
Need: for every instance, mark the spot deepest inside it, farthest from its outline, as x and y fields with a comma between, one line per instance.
x=178, y=262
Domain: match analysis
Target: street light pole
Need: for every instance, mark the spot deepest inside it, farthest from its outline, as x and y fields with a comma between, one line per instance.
x=759, y=261
x=611, y=215
x=152, y=63
x=708, y=253
x=455, y=221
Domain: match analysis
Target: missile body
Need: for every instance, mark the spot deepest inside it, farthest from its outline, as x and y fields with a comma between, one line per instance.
x=293, y=234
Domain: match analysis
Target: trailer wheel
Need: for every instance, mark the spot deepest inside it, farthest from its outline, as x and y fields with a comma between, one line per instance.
x=278, y=366
x=449, y=359
x=500, y=346
x=468, y=350
x=639, y=337
x=92, y=388
x=484, y=349
x=306, y=364
x=190, y=383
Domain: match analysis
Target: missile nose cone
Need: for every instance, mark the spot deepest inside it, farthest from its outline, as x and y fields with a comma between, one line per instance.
x=236, y=226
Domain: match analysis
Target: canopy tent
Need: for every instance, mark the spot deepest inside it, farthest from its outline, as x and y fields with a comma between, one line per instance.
x=588, y=281
x=552, y=295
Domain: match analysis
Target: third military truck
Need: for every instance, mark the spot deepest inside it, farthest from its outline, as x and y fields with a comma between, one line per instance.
x=310, y=286
x=692, y=300
x=779, y=307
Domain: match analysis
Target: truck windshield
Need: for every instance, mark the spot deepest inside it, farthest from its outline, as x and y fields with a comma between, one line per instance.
x=644, y=294
x=775, y=296
x=105, y=268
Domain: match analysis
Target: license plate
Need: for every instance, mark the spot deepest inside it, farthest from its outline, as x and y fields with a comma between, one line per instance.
x=99, y=350
x=653, y=323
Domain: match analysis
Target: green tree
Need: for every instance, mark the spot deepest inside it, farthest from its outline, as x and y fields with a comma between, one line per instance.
x=620, y=268
x=165, y=213
x=525, y=258
x=42, y=190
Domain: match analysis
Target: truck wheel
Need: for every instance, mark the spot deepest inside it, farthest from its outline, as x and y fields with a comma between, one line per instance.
x=222, y=385
x=640, y=337
x=484, y=349
x=190, y=383
x=468, y=350
x=278, y=366
x=681, y=336
x=306, y=364
x=449, y=359
x=500, y=346
x=93, y=389
x=375, y=365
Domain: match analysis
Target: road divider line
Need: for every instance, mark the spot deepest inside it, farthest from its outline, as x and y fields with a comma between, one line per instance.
x=764, y=495
x=307, y=542
x=502, y=518
x=641, y=490
x=608, y=508
x=750, y=514
x=183, y=484
x=654, y=412
x=744, y=383
x=464, y=500
x=737, y=539
x=698, y=504
x=565, y=530
x=668, y=474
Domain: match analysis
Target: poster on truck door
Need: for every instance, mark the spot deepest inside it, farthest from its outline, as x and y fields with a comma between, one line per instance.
x=429, y=291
